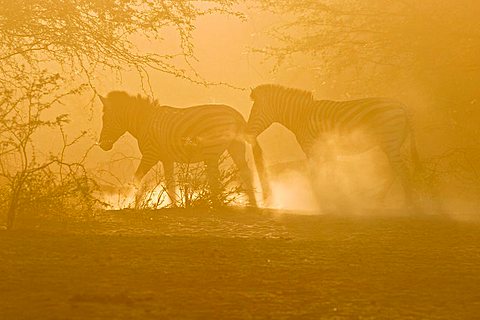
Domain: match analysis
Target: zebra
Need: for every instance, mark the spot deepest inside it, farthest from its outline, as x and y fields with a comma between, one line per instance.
x=379, y=122
x=186, y=135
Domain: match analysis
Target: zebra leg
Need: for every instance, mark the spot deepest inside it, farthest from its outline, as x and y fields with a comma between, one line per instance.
x=382, y=194
x=237, y=152
x=320, y=170
x=317, y=179
x=401, y=171
x=262, y=173
x=168, y=170
x=145, y=165
x=313, y=178
x=312, y=169
x=213, y=175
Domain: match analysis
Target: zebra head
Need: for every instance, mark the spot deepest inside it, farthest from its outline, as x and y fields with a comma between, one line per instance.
x=112, y=129
x=262, y=114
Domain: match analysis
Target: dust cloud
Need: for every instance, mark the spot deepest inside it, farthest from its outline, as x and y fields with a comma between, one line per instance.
x=292, y=191
x=344, y=184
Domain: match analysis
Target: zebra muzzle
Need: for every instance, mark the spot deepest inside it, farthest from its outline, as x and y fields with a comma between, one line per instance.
x=105, y=145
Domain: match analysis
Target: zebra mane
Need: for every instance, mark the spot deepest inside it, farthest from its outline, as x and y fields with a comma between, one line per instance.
x=121, y=98
x=274, y=90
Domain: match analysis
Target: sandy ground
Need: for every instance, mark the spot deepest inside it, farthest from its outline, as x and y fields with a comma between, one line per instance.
x=240, y=264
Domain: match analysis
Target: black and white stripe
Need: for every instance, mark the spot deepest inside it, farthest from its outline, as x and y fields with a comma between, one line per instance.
x=355, y=125
x=187, y=135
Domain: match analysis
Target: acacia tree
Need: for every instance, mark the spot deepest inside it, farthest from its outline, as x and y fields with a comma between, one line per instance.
x=84, y=35
x=375, y=40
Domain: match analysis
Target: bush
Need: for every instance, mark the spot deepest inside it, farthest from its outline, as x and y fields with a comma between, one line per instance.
x=38, y=182
x=192, y=189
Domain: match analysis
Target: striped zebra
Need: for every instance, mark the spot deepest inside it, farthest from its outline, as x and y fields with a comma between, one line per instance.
x=355, y=126
x=185, y=135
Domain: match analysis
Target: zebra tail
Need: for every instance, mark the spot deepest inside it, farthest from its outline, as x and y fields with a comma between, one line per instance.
x=417, y=164
x=262, y=172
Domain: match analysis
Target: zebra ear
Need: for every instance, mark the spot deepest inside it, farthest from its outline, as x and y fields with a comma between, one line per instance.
x=104, y=102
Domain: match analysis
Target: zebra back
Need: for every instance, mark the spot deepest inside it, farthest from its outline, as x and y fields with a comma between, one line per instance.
x=181, y=134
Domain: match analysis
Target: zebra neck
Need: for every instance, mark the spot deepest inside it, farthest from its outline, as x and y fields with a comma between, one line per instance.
x=136, y=120
x=295, y=117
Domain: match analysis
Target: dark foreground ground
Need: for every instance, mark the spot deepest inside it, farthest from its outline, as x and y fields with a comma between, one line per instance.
x=173, y=264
